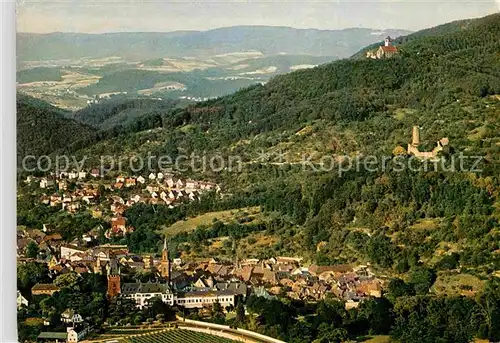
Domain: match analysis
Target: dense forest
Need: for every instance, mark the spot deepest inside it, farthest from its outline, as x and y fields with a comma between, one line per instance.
x=43, y=129
x=121, y=110
x=432, y=72
x=442, y=81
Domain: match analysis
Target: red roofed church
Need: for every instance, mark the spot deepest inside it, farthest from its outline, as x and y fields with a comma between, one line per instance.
x=385, y=51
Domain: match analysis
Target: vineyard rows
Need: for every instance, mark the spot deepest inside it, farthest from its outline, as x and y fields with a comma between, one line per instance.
x=177, y=336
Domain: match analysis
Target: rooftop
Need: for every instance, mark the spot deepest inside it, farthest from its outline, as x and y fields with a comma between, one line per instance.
x=53, y=335
x=148, y=287
x=45, y=287
x=209, y=293
x=389, y=48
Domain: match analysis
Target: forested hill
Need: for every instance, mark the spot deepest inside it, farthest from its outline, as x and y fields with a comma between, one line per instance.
x=453, y=27
x=122, y=111
x=430, y=72
x=435, y=232
x=437, y=76
x=448, y=84
x=43, y=129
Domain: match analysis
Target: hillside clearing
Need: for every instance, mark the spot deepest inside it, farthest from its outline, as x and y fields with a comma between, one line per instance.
x=463, y=284
x=190, y=224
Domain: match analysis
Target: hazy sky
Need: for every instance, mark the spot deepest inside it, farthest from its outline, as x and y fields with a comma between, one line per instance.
x=96, y=16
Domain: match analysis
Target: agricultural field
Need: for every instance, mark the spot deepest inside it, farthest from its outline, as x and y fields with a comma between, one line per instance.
x=177, y=336
x=57, y=86
x=73, y=83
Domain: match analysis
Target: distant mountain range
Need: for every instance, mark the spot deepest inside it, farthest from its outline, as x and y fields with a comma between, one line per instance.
x=139, y=46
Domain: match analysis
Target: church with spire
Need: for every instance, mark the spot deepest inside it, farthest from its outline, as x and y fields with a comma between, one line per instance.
x=384, y=51
x=142, y=292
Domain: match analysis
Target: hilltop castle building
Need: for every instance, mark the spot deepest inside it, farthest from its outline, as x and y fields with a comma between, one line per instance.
x=384, y=51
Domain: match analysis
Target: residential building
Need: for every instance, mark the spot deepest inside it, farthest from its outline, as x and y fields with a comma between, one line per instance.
x=199, y=299
x=143, y=292
x=68, y=251
x=70, y=316
x=76, y=334
x=130, y=182
x=46, y=183
x=21, y=301
x=72, y=334
x=44, y=289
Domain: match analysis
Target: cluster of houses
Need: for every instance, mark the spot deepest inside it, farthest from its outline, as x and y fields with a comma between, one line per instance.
x=286, y=276
x=71, y=201
x=279, y=276
x=200, y=284
x=192, y=290
x=50, y=181
x=164, y=188
x=42, y=238
x=156, y=188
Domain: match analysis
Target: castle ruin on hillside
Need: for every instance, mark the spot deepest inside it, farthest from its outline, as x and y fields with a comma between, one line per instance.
x=425, y=155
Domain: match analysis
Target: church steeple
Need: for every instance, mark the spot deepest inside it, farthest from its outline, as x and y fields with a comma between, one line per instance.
x=388, y=41
x=113, y=269
x=165, y=261
x=164, y=254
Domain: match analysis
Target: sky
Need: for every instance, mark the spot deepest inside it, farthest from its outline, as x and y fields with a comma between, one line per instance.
x=98, y=16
